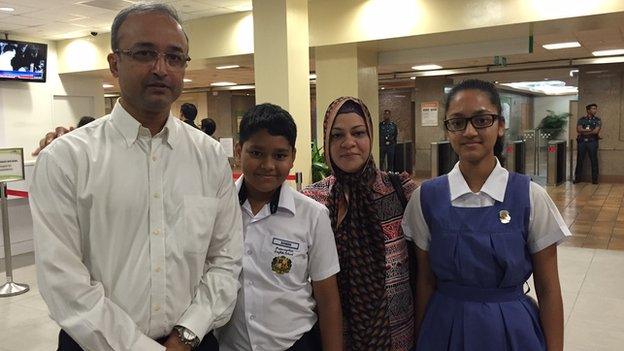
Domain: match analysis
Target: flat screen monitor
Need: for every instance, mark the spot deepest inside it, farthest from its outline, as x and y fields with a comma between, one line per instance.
x=23, y=61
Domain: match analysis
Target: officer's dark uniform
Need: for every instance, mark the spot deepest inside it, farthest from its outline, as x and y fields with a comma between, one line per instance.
x=388, y=132
x=587, y=144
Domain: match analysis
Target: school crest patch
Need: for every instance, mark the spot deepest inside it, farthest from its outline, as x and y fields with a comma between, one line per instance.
x=281, y=264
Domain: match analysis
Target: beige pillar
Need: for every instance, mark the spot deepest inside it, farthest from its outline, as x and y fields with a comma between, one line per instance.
x=281, y=67
x=346, y=70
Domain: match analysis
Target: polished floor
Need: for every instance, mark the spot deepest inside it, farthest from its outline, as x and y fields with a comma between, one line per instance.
x=590, y=266
x=594, y=213
x=591, y=279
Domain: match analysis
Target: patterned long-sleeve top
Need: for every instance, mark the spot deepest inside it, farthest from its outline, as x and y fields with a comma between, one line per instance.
x=390, y=213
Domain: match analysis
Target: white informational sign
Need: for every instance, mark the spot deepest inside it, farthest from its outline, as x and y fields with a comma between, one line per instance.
x=228, y=146
x=429, y=113
x=11, y=164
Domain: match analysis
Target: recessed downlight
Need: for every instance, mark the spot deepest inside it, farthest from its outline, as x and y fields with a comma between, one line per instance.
x=228, y=66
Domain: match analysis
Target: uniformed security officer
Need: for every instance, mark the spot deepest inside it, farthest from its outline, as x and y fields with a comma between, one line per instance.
x=388, y=132
x=588, y=128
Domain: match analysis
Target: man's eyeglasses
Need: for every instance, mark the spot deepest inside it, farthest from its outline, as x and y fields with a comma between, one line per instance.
x=477, y=121
x=172, y=59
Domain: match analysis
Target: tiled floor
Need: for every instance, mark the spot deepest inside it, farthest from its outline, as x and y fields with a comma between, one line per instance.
x=592, y=285
x=594, y=213
x=591, y=278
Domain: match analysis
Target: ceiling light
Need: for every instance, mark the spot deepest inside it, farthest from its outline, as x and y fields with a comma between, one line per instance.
x=228, y=66
x=186, y=80
x=441, y=72
x=598, y=60
x=222, y=84
x=413, y=78
x=7, y=9
x=312, y=76
x=426, y=67
x=551, y=87
x=573, y=71
x=566, y=45
x=608, y=52
x=383, y=88
x=107, y=86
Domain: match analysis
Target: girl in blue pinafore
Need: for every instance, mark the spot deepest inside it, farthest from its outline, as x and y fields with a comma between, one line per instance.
x=481, y=232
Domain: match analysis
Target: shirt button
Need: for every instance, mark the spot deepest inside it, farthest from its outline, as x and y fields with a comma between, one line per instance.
x=157, y=270
x=156, y=195
x=249, y=252
x=156, y=308
x=252, y=317
x=156, y=232
x=250, y=283
x=154, y=158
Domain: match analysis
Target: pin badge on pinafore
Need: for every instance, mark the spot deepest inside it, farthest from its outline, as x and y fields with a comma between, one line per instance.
x=504, y=216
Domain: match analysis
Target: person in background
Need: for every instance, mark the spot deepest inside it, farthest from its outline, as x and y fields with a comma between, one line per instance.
x=188, y=113
x=388, y=132
x=481, y=232
x=137, y=227
x=208, y=126
x=366, y=207
x=588, y=128
x=84, y=121
x=290, y=262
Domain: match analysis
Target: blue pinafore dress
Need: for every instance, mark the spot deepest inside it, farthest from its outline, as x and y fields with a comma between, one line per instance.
x=481, y=261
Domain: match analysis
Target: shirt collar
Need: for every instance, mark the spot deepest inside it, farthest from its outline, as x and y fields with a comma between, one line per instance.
x=286, y=199
x=130, y=127
x=495, y=185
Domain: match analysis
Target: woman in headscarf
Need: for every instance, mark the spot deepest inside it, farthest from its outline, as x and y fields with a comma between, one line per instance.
x=366, y=212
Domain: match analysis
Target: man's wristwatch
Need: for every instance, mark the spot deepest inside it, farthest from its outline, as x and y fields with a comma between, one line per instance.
x=187, y=337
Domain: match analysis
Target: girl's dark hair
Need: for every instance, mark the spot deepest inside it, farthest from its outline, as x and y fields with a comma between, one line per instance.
x=490, y=90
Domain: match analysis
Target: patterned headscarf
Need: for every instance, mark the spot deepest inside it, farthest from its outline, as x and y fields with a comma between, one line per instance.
x=361, y=246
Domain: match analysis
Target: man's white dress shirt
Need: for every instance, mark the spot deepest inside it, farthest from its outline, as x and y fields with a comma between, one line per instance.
x=135, y=234
x=283, y=251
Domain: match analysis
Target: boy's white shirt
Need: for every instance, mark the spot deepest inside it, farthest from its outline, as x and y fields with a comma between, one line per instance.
x=274, y=309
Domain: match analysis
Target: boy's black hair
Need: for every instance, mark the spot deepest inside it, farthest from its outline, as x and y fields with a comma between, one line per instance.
x=490, y=90
x=276, y=121
x=189, y=110
x=590, y=106
x=208, y=125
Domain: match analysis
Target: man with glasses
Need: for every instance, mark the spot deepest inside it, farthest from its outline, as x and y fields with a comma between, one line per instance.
x=137, y=227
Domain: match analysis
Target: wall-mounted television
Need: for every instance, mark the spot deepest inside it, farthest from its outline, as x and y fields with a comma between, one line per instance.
x=23, y=61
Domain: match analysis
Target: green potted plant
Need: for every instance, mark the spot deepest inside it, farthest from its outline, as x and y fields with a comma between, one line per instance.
x=553, y=124
x=320, y=170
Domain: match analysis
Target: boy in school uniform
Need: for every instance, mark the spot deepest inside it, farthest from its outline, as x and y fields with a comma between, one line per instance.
x=289, y=255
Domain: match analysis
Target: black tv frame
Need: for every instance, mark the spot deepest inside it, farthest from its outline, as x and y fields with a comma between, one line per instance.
x=45, y=69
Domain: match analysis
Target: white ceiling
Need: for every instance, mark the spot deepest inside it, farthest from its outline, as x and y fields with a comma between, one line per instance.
x=63, y=19
x=56, y=19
